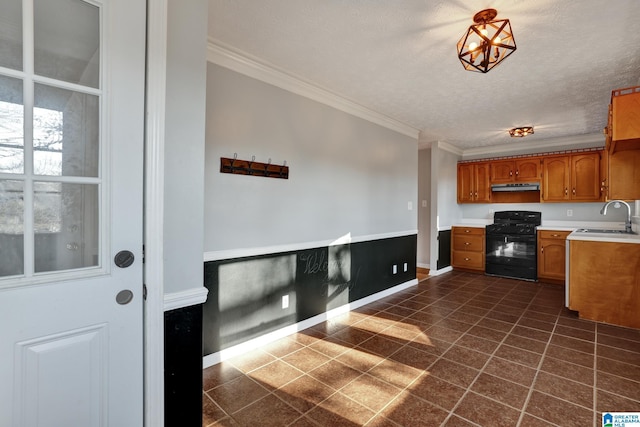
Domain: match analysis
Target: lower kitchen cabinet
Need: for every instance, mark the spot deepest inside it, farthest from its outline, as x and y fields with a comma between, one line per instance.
x=551, y=255
x=467, y=248
x=604, y=281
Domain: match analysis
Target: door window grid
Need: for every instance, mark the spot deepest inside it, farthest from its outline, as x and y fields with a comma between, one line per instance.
x=48, y=144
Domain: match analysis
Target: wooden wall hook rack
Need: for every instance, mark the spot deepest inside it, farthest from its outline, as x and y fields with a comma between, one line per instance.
x=251, y=167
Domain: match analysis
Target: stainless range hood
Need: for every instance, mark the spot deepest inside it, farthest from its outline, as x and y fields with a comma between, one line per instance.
x=533, y=186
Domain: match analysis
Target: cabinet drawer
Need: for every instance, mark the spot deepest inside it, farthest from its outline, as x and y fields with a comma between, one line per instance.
x=466, y=259
x=469, y=242
x=552, y=234
x=477, y=231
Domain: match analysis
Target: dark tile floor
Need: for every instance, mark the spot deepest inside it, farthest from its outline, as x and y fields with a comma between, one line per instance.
x=456, y=350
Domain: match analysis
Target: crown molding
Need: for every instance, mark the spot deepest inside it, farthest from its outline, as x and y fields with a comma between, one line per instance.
x=567, y=142
x=243, y=63
x=450, y=148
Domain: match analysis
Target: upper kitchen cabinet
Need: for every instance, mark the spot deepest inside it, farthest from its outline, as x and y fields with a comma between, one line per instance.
x=574, y=177
x=473, y=183
x=624, y=175
x=623, y=130
x=623, y=145
x=515, y=170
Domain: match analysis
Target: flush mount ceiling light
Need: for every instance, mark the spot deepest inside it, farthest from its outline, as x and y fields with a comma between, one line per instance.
x=486, y=43
x=521, y=132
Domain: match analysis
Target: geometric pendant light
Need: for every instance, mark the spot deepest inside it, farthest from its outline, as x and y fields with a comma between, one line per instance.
x=486, y=43
x=521, y=131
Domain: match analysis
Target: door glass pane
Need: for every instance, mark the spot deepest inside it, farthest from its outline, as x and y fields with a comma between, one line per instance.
x=11, y=34
x=66, y=226
x=65, y=132
x=67, y=41
x=11, y=126
x=11, y=228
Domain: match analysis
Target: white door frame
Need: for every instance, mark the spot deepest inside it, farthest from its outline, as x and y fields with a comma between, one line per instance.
x=154, y=213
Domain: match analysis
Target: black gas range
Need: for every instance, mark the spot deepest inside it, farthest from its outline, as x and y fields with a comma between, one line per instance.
x=511, y=245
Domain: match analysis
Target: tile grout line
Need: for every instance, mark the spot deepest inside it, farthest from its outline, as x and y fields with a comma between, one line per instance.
x=538, y=368
x=406, y=388
x=493, y=354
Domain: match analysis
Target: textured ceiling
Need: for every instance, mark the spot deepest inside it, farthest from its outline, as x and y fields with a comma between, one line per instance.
x=398, y=58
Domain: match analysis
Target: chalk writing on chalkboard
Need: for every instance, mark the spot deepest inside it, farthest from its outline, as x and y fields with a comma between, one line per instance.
x=316, y=262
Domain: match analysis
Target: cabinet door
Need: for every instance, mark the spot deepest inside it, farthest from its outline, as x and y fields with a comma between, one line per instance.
x=482, y=191
x=465, y=182
x=502, y=172
x=624, y=175
x=585, y=177
x=555, y=179
x=625, y=110
x=551, y=258
x=527, y=170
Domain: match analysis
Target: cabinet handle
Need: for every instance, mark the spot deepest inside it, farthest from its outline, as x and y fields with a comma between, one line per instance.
x=467, y=243
x=470, y=193
x=510, y=173
x=467, y=231
x=542, y=249
x=467, y=259
x=476, y=194
x=555, y=235
x=566, y=191
x=574, y=191
x=517, y=172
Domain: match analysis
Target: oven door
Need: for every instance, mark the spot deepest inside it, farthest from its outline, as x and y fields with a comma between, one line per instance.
x=511, y=255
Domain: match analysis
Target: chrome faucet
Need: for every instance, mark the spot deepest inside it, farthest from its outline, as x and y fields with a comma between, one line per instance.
x=616, y=204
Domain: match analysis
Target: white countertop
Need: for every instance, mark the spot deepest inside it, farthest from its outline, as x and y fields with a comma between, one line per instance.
x=466, y=224
x=571, y=226
x=605, y=237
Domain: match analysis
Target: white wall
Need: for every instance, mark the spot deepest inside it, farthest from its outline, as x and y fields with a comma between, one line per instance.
x=424, y=212
x=347, y=175
x=445, y=210
x=184, y=144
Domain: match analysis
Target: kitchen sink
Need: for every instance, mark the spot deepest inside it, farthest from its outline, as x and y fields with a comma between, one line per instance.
x=600, y=230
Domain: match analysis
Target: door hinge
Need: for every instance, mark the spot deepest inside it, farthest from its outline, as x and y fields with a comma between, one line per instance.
x=143, y=254
x=144, y=292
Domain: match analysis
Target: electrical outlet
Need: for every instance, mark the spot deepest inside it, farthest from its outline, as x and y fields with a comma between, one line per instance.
x=394, y=269
x=569, y=212
x=406, y=266
x=285, y=301
x=410, y=206
x=424, y=203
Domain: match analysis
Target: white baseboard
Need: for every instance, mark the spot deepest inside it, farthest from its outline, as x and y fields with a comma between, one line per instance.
x=441, y=271
x=245, y=347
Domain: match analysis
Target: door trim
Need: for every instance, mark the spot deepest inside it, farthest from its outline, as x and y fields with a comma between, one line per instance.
x=154, y=213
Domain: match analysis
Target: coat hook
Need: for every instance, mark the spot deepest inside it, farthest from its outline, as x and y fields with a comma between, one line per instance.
x=250, y=168
x=235, y=156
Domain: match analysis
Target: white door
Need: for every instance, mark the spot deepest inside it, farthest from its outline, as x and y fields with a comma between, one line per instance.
x=71, y=168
